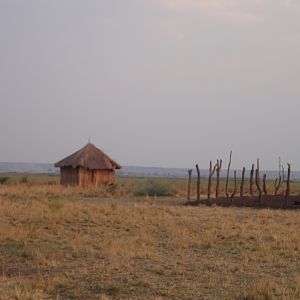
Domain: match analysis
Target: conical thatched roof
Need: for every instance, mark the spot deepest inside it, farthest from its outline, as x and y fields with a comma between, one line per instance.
x=89, y=157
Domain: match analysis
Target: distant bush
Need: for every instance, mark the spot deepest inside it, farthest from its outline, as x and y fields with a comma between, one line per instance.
x=4, y=180
x=24, y=179
x=153, y=188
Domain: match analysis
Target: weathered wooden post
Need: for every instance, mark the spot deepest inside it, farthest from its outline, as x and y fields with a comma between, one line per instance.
x=288, y=187
x=198, y=182
x=251, y=180
x=210, y=180
x=189, y=185
x=277, y=185
x=265, y=184
x=227, y=177
x=242, y=183
x=257, y=180
x=235, y=188
x=218, y=170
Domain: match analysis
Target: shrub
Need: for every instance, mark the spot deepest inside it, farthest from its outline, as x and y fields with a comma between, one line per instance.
x=153, y=188
x=3, y=180
x=24, y=179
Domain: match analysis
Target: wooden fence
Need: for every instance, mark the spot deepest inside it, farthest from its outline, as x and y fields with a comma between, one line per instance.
x=258, y=193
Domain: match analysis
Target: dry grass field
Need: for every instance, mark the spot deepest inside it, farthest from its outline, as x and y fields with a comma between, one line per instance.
x=63, y=243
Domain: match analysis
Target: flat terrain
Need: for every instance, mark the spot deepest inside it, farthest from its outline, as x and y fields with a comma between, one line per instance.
x=59, y=243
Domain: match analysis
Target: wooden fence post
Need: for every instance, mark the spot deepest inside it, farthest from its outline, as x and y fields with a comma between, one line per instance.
x=265, y=184
x=257, y=180
x=277, y=185
x=227, y=177
x=218, y=170
x=251, y=180
x=210, y=180
x=198, y=182
x=189, y=185
x=242, y=183
x=288, y=187
x=235, y=188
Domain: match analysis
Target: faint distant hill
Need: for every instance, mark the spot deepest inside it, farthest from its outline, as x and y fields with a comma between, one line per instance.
x=152, y=172
x=12, y=167
x=133, y=171
x=182, y=172
x=36, y=168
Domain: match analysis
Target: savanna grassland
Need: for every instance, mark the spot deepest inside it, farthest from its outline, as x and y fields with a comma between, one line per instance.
x=129, y=243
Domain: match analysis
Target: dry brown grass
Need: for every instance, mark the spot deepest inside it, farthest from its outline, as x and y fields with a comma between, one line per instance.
x=47, y=187
x=52, y=247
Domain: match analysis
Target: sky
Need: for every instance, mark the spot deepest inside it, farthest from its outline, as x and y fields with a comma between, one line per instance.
x=163, y=83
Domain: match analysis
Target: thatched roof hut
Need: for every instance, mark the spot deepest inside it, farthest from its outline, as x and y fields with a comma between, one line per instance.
x=88, y=166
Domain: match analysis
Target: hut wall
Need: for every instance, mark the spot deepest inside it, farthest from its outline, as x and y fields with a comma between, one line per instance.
x=95, y=177
x=69, y=176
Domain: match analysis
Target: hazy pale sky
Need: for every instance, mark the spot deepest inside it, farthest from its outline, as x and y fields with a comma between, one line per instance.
x=151, y=82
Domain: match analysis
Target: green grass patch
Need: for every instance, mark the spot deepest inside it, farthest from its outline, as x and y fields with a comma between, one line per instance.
x=153, y=188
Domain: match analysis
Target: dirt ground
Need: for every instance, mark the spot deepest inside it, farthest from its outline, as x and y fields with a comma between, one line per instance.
x=167, y=201
x=267, y=201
